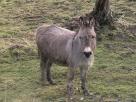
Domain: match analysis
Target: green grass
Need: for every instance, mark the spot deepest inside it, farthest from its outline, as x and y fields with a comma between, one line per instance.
x=113, y=76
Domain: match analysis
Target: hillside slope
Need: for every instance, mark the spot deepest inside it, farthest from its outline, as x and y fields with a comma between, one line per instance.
x=113, y=76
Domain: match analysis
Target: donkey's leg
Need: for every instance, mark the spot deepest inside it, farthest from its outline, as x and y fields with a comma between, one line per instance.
x=43, y=70
x=70, y=84
x=83, y=76
x=49, y=78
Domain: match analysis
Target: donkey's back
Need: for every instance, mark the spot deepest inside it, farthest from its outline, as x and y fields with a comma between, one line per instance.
x=52, y=41
x=53, y=29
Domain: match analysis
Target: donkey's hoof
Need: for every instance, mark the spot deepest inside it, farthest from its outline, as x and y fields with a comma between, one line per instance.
x=44, y=83
x=52, y=83
x=87, y=93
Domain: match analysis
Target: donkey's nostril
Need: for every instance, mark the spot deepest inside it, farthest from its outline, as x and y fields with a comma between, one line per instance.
x=87, y=54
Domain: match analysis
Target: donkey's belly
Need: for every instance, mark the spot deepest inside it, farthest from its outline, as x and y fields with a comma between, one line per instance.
x=56, y=55
x=59, y=62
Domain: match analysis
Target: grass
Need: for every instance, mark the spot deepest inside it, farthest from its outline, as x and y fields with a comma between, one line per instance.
x=113, y=76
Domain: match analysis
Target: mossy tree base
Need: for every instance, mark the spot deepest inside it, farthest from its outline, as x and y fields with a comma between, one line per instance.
x=102, y=13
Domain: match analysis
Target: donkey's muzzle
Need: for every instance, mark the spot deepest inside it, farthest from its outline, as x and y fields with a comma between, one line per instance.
x=87, y=54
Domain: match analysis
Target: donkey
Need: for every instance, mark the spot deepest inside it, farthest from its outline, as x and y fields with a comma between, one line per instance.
x=68, y=48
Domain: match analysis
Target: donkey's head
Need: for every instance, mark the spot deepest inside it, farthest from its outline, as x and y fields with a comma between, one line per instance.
x=86, y=36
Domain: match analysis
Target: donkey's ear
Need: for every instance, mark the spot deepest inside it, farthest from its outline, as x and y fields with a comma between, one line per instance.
x=92, y=22
x=81, y=21
x=81, y=18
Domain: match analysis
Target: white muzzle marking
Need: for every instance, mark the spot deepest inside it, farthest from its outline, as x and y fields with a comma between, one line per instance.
x=87, y=49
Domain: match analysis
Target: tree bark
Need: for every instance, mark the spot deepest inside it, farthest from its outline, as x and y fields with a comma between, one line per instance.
x=102, y=13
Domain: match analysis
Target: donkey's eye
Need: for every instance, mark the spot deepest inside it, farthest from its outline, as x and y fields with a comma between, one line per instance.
x=93, y=37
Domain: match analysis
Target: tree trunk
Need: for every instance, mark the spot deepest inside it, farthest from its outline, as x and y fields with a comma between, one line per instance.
x=102, y=13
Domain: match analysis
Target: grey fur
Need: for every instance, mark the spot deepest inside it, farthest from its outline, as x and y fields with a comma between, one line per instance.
x=65, y=47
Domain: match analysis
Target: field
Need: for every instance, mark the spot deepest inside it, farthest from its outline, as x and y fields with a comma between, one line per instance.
x=113, y=75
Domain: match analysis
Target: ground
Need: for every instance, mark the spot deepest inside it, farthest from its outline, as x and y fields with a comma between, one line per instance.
x=111, y=79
